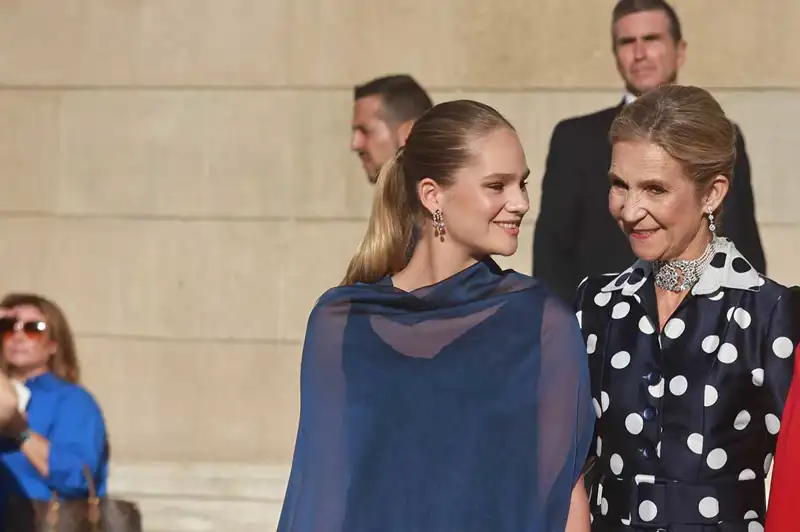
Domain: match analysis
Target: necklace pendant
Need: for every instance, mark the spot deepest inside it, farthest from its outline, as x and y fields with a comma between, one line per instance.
x=681, y=275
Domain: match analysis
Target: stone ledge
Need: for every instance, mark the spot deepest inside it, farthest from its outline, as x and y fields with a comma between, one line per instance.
x=208, y=497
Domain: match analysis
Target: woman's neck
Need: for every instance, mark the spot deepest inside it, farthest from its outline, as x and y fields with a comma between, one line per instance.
x=23, y=374
x=696, y=248
x=432, y=262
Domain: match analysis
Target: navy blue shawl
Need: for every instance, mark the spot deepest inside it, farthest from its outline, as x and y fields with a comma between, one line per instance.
x=459, y=407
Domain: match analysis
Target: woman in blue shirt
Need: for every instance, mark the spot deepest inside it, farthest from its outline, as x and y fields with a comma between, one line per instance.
x=49, y=439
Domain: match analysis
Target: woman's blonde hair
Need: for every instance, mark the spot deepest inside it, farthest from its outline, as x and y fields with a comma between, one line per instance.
x=437, y=147
x=64, y=362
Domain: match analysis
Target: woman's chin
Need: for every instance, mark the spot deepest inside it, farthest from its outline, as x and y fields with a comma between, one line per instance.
x=646, y=250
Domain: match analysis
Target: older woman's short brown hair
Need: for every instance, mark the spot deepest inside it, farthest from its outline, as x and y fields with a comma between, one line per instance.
x=688, y=124
x=64, y=362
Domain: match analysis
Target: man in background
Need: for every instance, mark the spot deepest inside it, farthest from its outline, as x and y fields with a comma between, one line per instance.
x=384, y=110
x=575, y=235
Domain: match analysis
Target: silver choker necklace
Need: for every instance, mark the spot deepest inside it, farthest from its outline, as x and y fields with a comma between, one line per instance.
x=681, y=275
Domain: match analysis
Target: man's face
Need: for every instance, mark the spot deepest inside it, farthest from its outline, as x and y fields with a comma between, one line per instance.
x=646, y=54
x=374, y=139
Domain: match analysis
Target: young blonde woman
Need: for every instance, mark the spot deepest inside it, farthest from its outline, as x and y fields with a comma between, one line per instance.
x=440, y=393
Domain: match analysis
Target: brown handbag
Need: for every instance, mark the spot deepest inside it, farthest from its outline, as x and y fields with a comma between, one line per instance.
x=95, y=514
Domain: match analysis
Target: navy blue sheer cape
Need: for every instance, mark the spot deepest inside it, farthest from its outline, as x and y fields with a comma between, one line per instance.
x=459, y=407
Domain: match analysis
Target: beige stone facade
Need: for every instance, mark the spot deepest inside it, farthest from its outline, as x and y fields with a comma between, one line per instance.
x=176, y=174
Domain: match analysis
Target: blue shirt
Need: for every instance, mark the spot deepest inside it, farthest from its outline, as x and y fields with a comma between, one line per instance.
x=71, y=420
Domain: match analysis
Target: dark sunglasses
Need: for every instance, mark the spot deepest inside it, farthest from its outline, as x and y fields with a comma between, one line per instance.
x=32, y=329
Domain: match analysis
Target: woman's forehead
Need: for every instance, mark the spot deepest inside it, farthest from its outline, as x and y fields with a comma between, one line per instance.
x=28, y=312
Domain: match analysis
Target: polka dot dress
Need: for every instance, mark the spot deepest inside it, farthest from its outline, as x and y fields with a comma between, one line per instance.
x=687, y=417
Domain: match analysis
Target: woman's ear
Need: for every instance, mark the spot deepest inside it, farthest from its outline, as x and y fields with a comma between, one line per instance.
x=716, y=192
x=430, y=194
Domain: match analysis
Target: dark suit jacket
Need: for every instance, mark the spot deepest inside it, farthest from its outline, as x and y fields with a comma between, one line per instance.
x=575, y=235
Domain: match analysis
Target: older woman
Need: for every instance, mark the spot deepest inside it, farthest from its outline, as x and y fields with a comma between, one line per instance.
x=690, y=349
x=51, y=428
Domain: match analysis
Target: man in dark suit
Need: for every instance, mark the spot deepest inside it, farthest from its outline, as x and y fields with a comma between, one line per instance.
x=575, y=235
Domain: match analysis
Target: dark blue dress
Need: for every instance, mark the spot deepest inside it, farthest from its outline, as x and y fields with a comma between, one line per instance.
x=459, y=407
x=688, y=416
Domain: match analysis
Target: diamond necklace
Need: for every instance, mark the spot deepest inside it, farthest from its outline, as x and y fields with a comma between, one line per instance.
x=680, y=275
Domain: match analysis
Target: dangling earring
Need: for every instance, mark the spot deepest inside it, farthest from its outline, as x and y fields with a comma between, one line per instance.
x=711, y=226
x=438, y=225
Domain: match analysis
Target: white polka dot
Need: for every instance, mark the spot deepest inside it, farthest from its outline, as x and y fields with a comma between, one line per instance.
x=767, y=463
x=742, y=318
x=695, y=443
x=729, y=314
x=599, y=447
x=717, y=296
x=579, y=315
x=773, y=424
x=591, y=343
x=646, y=326
x=627, y=521
x=620, y=310
x=621, y=360
x=658, y=449
x=711, y=396
x=678, y=385
x=647, y=511
x=727, y=353
x=717, y=459
x=755, y=526
x=674, y=328
x=605, y=400
x=634, y=423
x=602, y=299
x=604, y=507
x=742, y=420
x=709, y=507
x=710, y=343
x=597, y=410
x=758, y=376
x=747, y=474
x=782, y=347
x=751, y=515
x=761, y=281
x=657, y=391
x=616, y=464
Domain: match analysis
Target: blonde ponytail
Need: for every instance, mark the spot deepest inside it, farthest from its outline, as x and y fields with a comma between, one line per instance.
x=383, y=250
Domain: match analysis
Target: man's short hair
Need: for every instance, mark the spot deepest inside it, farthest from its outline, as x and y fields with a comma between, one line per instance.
x=402, y=97
x=629, y=7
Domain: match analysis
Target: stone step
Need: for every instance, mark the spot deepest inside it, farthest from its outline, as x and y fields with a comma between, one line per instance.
x=207, y=497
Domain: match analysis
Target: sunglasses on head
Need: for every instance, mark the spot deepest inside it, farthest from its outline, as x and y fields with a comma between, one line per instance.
x=32, y=329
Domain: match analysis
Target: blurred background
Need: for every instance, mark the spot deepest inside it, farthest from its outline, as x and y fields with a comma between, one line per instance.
x=177, y=175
